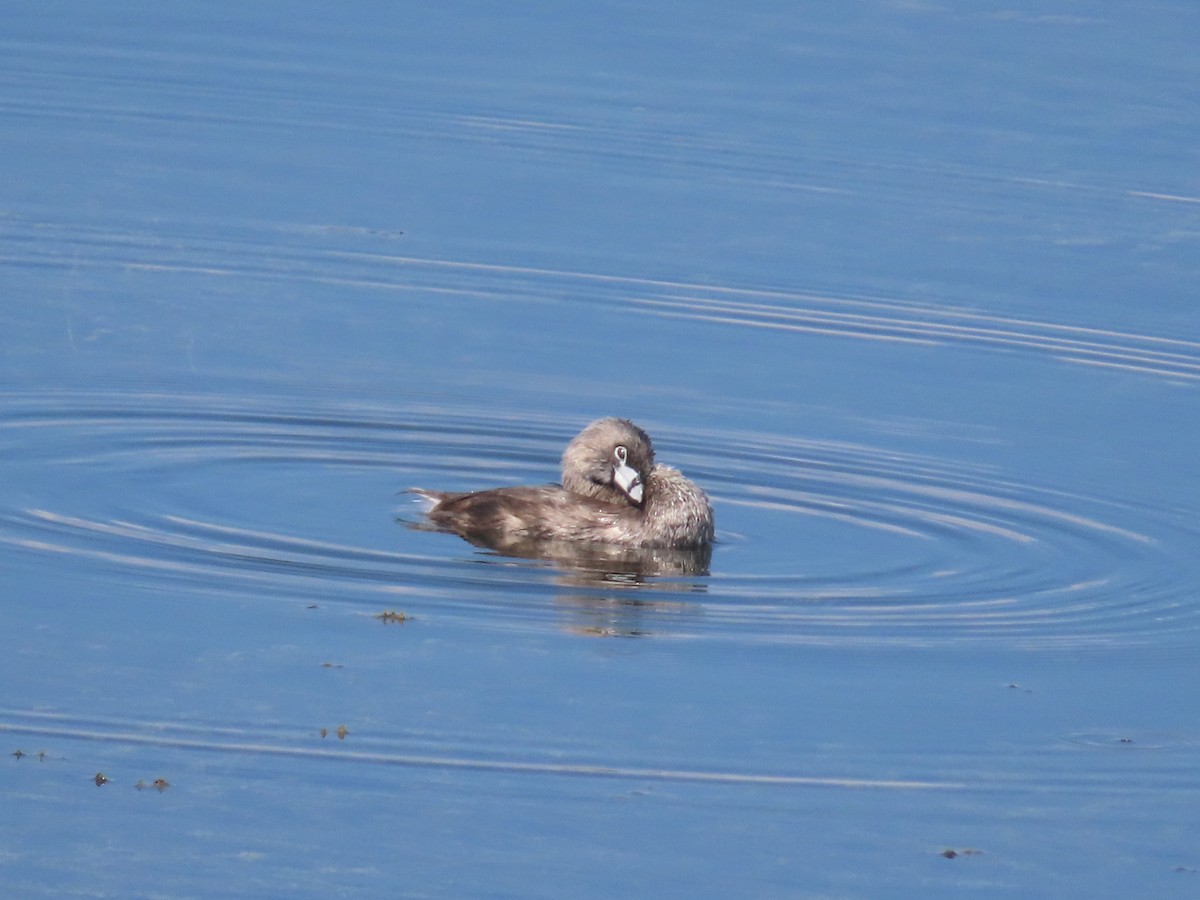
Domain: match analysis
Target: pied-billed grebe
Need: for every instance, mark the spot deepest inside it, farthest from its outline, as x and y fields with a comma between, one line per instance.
x=612, y=493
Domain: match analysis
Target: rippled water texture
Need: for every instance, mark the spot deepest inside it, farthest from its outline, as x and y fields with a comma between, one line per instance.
x=825, y=542
x=908, y=290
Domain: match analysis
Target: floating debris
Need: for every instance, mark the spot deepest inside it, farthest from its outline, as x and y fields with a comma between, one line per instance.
x=329, y=665
x=951, y=854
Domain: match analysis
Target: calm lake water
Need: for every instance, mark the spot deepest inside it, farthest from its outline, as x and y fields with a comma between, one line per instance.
x=909, y=289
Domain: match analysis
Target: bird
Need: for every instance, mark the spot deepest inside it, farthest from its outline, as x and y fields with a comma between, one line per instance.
x=612, y=493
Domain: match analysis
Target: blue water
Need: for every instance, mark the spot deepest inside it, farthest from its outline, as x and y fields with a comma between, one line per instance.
x=908, y=289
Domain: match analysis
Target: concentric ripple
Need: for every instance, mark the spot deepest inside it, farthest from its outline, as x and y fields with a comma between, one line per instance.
x=821, y=543
x=333, y=256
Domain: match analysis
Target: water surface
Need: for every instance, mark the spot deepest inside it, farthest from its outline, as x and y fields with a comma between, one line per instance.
x=908, y=291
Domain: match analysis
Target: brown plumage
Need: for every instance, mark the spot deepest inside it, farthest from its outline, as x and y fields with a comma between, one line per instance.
x=612, y=493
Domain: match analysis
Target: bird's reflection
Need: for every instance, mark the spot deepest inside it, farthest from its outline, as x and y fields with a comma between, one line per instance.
x=605, y=564
x=608, y=591
x=617, y=591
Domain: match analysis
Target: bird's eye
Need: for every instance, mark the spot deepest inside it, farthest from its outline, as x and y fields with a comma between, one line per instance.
x=621, y=454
